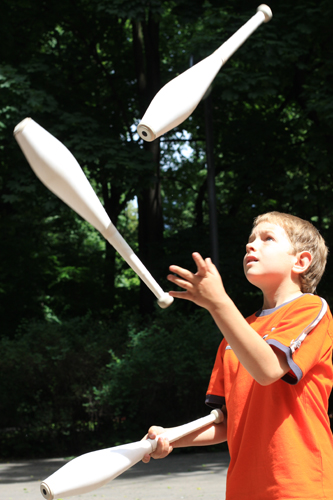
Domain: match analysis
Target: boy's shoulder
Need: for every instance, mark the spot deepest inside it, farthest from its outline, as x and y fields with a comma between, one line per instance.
x=312, y=298
x=309, y=300
x=288, y=325
x=305, y=304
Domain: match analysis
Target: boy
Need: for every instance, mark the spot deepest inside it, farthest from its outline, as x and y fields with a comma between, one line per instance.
x=273, y=371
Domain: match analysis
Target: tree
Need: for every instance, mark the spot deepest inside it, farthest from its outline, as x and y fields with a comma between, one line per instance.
x=86, y=71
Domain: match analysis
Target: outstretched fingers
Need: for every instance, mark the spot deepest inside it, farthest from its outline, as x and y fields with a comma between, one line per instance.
x=182, y=283
x=200, y=263
x=182, y=278
x=182, y=273
x=203, y=287
x=186, y=279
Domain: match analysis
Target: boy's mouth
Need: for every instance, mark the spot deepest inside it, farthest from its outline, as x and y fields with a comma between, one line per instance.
x=250, y=258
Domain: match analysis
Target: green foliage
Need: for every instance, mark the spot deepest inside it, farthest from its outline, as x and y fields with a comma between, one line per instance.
x=163, y=374
x=46, y=371
x=69, y=387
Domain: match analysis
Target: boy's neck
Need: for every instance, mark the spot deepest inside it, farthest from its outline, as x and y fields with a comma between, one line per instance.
x=280, y=297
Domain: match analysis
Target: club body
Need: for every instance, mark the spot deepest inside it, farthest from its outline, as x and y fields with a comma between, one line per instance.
x=93, y=470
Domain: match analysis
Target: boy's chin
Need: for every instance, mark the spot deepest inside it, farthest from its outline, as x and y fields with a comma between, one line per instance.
x=254, y=280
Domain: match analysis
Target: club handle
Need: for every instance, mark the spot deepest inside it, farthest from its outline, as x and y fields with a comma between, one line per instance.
x=112, y=235
x=229, y=47
x=215, y=417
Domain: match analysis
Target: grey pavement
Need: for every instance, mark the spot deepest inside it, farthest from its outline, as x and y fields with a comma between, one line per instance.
x=179, y=476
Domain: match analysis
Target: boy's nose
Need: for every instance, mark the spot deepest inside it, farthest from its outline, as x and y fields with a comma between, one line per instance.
x=250, y=246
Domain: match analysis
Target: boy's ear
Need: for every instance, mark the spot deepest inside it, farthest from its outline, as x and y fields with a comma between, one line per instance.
x=302, y=263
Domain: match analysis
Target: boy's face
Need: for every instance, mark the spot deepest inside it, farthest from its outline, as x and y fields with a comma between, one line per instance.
x=269, y=257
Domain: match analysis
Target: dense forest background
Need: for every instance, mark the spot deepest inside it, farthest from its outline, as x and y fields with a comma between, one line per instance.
x=87, y=358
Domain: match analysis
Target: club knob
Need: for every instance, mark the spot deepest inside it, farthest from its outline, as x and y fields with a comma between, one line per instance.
x=266, y=11
x=20, y=126
x=165, y=301
x=46, y=491
x=145, y=133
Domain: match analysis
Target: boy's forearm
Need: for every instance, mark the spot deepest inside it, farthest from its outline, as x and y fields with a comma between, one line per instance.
x=257, y=357
x=213, y=434
x=210, y=435
x=205, y=288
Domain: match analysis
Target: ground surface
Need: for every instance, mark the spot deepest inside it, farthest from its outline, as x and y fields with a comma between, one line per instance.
x=179, y=476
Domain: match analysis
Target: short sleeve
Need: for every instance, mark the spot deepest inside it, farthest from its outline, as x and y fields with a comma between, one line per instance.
x=304, y=334
x=215, y=396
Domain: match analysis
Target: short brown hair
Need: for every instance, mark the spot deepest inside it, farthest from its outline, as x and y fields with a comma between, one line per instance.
x=303, y=237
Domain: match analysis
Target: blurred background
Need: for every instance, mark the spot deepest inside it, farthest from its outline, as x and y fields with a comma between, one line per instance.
x=88, y=359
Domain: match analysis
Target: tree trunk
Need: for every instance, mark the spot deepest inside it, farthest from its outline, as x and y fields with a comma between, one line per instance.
x=147, y=60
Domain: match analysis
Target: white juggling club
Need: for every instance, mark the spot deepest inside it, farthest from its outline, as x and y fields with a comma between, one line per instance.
x=178, y=99
x=92, y=470
x=57, y=168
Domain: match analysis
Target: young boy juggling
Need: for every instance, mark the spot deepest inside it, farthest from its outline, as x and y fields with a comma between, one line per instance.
x=273, y=371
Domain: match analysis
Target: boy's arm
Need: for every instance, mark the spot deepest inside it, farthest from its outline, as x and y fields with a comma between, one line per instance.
x=212, y=434
x=205, y=288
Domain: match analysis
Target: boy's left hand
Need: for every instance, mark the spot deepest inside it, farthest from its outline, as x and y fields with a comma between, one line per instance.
x=204, y=288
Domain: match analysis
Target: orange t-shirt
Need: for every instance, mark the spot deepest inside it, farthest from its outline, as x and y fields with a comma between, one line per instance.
x=279, y=437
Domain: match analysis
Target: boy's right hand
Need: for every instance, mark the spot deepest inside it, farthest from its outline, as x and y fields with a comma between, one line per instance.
x=203, y=288
x=163, y=447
